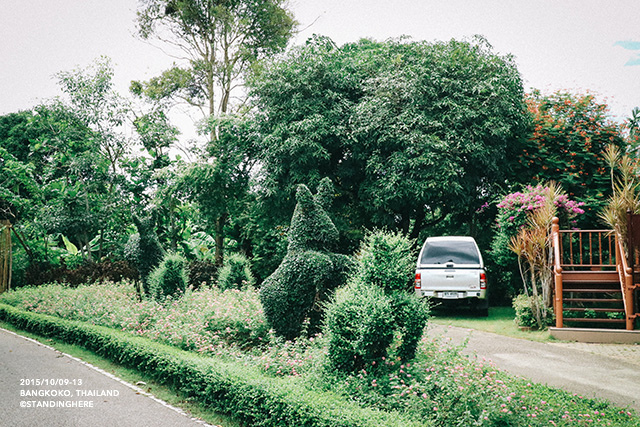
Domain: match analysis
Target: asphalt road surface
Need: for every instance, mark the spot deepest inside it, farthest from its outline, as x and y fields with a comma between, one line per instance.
x=40, y=386
x=575, y=370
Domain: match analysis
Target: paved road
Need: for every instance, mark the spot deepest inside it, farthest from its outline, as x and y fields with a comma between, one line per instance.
x=575, y=369
x=34, y=376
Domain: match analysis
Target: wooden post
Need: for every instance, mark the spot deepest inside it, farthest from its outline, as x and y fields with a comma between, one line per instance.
x=557, y=271
x=5, y=255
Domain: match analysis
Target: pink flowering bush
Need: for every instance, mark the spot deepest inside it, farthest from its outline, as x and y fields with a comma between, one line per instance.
x=514, y=207
x=514, y=211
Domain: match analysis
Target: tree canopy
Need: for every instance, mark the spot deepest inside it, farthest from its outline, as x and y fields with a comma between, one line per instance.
x=408, y=131
x=221, y=40
x=570, y=134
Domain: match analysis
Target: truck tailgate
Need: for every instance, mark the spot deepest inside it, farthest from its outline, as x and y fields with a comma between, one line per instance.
x=450, y=279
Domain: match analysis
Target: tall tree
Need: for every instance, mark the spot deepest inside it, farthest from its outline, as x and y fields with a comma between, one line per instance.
x=408, y=131
x=221, y=41
x=570, y=134
x=91, y=97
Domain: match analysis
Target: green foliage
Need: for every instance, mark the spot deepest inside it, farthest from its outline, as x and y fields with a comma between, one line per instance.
x=358, y=337
x=408, y=131
x=148, y=254
x=308, y=273
x=359, y=323
x=235, y=273
x=524, y=312
x=386, y=260
x=311, y=227
x=209, y=33
x=410, y=315
x=63, y=165
x=169, y=279
x=220, y=185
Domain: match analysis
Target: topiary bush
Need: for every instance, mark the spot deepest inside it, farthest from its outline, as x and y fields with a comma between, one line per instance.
x=360, y=326
x=380, y=280
x=235, y=273
x=386, y=260
x=310, y=271
x=169, y=279
x=144, y=250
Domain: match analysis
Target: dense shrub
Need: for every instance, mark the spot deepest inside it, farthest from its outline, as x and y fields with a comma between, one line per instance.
x=235, y=273
x=145, y=249
x=524, y=313
x=169, y=279
x=387, y=260
x=360, y=325
x=384, y=269
x=309, y=272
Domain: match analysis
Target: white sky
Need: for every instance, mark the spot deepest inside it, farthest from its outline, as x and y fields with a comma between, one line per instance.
x=558, y=44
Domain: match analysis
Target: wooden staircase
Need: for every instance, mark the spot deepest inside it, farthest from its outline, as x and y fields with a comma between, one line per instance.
x=594, y=282
x=592, y=299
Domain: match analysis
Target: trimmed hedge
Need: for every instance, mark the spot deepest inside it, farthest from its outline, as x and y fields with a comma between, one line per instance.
x=227, y=387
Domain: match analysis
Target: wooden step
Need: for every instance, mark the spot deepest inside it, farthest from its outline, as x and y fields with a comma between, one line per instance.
x=608, y=300
x=592, y=290
x=596, y=309
x=590, y=277
x=592, y=320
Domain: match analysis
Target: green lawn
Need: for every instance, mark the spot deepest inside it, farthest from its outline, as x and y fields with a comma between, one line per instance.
x=499, y=321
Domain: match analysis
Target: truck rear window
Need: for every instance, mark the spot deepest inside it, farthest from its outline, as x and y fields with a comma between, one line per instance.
x=457, y=252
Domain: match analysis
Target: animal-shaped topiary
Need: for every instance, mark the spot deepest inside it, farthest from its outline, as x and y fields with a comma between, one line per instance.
x=309, y=271
x=146, y=251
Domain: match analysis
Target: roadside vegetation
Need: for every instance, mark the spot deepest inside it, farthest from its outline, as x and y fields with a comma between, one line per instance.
x=131, y=375
x=439, y=387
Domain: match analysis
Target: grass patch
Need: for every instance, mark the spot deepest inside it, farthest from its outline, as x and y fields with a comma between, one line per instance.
x=500, y=321
x=160, y=391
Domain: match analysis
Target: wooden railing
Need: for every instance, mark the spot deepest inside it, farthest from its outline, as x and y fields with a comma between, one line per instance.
x=579, y=249
x=557, y=271
x=626, y=281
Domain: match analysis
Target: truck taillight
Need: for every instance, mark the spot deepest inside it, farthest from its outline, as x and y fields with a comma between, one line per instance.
x=483, y=281
x=418, y=281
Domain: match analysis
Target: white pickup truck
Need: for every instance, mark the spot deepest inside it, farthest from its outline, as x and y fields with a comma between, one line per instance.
x=450, y=270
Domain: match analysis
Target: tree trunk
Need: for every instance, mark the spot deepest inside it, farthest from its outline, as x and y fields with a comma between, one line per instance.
x=220, y=222
x=5, y=255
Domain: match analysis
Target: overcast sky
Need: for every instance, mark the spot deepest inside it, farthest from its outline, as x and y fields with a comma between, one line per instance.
x=574, y=45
